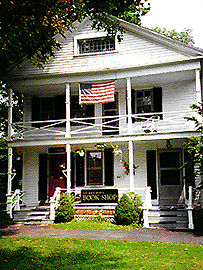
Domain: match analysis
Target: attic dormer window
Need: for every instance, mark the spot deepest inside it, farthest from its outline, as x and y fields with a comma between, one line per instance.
x=95, y=45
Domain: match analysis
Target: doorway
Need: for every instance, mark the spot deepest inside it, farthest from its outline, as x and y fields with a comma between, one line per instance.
x=56, y=176
x=170, y=176
x=94, y=168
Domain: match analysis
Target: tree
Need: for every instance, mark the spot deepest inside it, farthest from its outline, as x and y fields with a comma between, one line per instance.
x=195, y=143
x=184, y=35
x=28, y=27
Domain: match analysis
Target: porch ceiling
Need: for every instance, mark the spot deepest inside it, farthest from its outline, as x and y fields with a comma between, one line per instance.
x=34, y=87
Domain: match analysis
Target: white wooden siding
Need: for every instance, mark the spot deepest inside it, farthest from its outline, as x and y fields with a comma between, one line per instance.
x=133, y=51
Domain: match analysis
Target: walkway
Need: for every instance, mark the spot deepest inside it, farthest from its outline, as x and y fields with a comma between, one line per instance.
x=142, y=234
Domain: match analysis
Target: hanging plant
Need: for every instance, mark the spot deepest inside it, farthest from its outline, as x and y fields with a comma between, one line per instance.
x=100, y=146
x=127, y=169
x=80, y=151
x=117, y=151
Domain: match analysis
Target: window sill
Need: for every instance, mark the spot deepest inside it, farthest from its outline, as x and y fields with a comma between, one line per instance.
x=92, y=54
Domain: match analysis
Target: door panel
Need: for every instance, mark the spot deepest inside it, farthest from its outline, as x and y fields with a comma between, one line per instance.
x=56, y=176
x=94, y=168
x=170, y=176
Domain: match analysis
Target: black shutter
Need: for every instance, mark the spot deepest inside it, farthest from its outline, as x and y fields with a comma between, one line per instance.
x=109, y=167
x=36, y=110
x=189, y=172
x=90, y=113
x=151, y=172
x=42, y=184
x=60, y=107
x=72, y=170
x=80, y=180
x=157, y=98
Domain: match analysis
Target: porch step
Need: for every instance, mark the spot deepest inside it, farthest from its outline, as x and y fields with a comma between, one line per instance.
x=39, y=214
x=174, y=217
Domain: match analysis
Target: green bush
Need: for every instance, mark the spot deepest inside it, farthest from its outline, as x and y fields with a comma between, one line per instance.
x=4, y=217
x=128, y=210
x=65, y=212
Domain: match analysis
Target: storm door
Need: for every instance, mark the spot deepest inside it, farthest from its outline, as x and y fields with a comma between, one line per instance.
x=56, y=176
x=94, y=168
x=170, y=176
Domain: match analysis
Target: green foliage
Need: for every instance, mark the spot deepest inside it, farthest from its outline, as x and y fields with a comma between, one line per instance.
x=184, y=35
x=128, y=210
x=4, y=217
x=195, y=143
x=65, y=212
x=28, y=27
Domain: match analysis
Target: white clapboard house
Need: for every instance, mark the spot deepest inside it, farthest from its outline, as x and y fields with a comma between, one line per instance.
x=100, y=104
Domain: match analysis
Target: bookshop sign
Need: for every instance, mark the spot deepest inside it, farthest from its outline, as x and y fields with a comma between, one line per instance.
x=99, y=195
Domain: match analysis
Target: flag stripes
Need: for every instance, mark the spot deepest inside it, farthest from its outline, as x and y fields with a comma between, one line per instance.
x=96, y=93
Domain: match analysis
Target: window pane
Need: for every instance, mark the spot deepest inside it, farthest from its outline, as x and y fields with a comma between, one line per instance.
x=96, y=45
x=170, y=177
x=170, y=160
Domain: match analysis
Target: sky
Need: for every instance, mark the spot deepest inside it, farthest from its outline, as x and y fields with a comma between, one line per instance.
x=177, y=14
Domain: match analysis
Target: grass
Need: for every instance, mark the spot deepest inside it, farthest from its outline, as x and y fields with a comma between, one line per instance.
x=92, y=224
x=64, y=254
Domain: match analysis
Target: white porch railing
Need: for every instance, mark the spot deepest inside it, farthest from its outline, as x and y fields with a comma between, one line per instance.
x=54, y=202
x=105, y=125
x=14, y=201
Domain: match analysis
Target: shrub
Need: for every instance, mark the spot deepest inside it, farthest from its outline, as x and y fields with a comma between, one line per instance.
x=4, y=217
x=65, y=212
x=128, y=210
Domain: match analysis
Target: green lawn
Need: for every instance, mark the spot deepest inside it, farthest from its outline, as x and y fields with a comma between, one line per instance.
x=63, y=254
x=91, y=225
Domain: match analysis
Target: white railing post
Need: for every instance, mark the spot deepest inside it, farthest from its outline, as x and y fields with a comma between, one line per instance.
x=190, y=208
x=54, y=203
x=17, y=200
x=147, y=205
x=9, y=204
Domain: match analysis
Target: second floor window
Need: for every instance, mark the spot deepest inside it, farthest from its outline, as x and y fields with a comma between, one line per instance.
x=144, y=101
x=147, y=101
x=96, y=45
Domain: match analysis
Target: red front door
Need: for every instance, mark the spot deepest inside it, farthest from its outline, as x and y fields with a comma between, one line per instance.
x=56, y=176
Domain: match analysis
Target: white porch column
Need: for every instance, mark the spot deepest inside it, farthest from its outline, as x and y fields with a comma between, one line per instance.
x=10, y=150
x=68, y=170
x=68, y=110
x=129, y=106
x=130, y=144
x=198, y=85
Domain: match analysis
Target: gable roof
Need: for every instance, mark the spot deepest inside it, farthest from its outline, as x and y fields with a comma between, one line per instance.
x=160, y=38
x=142, y=48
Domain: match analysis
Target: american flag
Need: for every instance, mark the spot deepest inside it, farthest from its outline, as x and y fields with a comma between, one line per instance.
x=96, y=93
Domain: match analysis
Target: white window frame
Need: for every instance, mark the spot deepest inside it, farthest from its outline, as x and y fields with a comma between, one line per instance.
x=92, y=36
